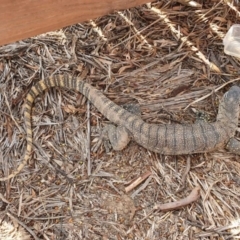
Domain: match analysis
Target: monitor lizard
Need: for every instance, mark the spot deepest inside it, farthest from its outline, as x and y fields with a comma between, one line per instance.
x=167, y=139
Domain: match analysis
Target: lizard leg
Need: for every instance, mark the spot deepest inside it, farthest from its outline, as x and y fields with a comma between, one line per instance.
x=118, y=137
x=201, y=116
x=132, y=108
x=233, y=146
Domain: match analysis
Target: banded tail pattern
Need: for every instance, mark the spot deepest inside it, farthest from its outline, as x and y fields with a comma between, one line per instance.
x=102, y=103
x=170, y=139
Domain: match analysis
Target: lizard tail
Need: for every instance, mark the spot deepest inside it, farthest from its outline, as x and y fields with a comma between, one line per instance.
x=70, y=83
x=58, y=80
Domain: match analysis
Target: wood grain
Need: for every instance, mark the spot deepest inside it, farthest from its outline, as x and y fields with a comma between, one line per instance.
x=27, y=18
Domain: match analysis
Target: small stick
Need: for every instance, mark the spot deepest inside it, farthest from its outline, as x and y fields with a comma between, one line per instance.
x=209, y=94
x=190, y=3
x=192, y=197
x=137, y=181
x=184, y=177
x=23, y=225
x=4, y=199
x=89, y=165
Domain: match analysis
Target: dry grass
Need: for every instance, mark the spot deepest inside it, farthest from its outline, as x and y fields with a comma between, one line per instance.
x=167, y=57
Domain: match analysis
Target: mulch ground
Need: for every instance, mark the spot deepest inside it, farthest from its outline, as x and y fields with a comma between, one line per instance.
x=167, y=57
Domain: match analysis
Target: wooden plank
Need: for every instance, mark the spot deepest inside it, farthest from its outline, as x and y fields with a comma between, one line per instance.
x=26, y=18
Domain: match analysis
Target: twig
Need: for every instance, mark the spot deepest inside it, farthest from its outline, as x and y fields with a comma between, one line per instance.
x=137, y=181
x=190, y=3
x=192, y=197
x=11, y=115
x=184, y=176
x=24, y=226
x=209, y=94
x=135, y=34
x=142, y=187
x=4, y=199
x=89, y=167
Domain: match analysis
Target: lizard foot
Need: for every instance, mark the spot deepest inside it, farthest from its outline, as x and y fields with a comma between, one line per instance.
x=132, y=108
x=201, y=116
x=233, y=146
x=118, y=137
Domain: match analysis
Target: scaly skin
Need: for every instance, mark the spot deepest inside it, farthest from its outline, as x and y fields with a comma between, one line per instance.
x=169, y=139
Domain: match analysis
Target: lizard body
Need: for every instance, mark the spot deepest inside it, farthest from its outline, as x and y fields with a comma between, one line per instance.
x=169, y=139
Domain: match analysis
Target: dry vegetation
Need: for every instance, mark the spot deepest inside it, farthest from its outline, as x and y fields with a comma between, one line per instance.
x=168, y=58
